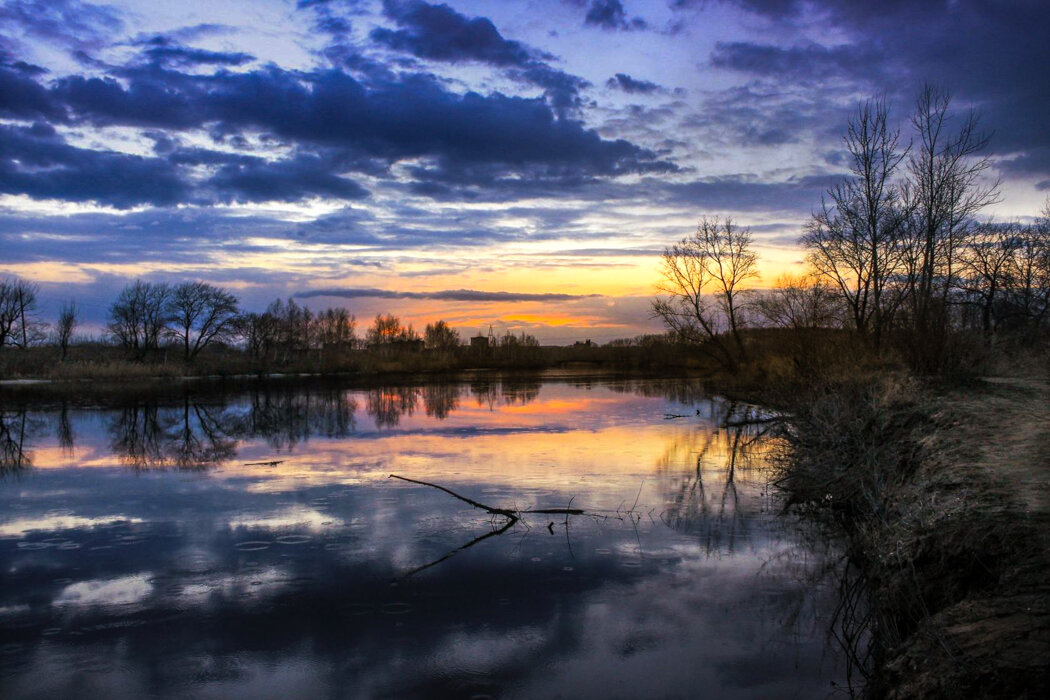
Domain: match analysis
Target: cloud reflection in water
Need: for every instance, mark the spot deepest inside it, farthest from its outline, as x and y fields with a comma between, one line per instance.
x=222, y=579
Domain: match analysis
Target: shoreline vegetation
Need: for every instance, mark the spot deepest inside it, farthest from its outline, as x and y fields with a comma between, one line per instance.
x=941, y=493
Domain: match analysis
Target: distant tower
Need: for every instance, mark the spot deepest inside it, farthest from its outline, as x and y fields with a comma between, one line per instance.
x=492, y=337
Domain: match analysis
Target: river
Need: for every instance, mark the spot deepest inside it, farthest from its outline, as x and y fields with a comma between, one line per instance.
x=200, y=543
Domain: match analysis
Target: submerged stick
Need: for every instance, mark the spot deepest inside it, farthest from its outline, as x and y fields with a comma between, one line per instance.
x=274, y=463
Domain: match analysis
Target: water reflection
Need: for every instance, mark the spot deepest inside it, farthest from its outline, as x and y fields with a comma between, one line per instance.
x=195, y=574
x=16, y=433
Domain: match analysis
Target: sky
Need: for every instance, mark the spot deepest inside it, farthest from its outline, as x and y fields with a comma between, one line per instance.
x=518, y=164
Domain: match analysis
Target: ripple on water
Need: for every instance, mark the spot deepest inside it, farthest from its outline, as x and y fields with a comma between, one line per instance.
x=294, y=539
x=360, y=609
x=397, y=608
x=252, y=545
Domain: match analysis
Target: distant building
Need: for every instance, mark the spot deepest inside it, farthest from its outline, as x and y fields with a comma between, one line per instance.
x=582, y=344
x=479, y=342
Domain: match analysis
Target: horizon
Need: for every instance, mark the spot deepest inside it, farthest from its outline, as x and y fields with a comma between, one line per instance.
x=518, y=164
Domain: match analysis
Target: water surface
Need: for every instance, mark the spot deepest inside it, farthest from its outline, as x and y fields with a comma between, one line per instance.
x=205, y=544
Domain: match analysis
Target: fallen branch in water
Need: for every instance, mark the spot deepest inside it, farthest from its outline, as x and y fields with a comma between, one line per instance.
x=274, y=463
x=515, y=514
x=513, y=518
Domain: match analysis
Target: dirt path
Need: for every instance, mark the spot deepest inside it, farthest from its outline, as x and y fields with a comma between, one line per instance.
x=993, y=479
x=1017, y=450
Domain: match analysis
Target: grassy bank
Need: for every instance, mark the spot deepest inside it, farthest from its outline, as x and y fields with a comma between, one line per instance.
x=942, y=493
x=104, y=362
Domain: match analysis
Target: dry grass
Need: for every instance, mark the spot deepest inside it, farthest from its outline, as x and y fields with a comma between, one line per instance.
x=944, y=497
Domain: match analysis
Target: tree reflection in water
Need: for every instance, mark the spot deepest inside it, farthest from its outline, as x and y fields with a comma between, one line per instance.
x=15, y=431
x=386, y=405
x=190, y=436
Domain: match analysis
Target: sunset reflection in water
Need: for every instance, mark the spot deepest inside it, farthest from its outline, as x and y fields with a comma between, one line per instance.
x=252, y=545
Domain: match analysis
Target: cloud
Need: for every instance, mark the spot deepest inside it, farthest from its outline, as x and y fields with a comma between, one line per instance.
x=34, y=161
x=22, y=97
x=796, y=195
x=631, y=85
x=438, y=32
x=610, y=15
x=69, y=23
x=987, y=54
x=414, y=116
x=163, y=51
x=443, y=295
x=289, y=180
x=811, y=62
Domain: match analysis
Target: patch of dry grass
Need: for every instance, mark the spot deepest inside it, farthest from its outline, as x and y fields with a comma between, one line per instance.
x=943, y=496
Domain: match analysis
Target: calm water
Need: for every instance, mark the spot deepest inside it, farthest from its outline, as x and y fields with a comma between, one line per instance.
x=145, y=555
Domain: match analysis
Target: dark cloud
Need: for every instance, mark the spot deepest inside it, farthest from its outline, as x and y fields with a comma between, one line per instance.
x=631, y=85
x=34, y=161
x=986, y=53
x=410, y=117
x=610, y=14
x=440, y=33
x=442, y=295
x=146, y=101
x=812, y=62
x=69, y=23
x=164, y=51
x=290, y=179
x=777, y=9
x=22, y=97
x=561, y=89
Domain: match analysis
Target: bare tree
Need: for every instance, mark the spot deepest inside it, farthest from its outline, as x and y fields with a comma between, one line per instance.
x=67, y=321
x=985, y=266
x=441, y=336
x=335, y=329
x=8, y=312
x=1029, y=273
x=388, y=329
x=945, y=189
x=806, y=301
x=703, y=278
x=854, y=240
x=19, y=326
x=137, y=319
x=199, y=314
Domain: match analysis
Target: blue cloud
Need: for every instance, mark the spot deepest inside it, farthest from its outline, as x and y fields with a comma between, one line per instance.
x=631, y=85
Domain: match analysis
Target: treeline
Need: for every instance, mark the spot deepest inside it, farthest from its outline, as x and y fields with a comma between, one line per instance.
x=895, y=253
x=201, y=324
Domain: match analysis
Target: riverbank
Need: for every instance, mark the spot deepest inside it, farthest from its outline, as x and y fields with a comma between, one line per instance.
x=943, y=494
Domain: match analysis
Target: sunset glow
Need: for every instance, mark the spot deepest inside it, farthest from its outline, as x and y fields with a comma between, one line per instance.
x=340, y=150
